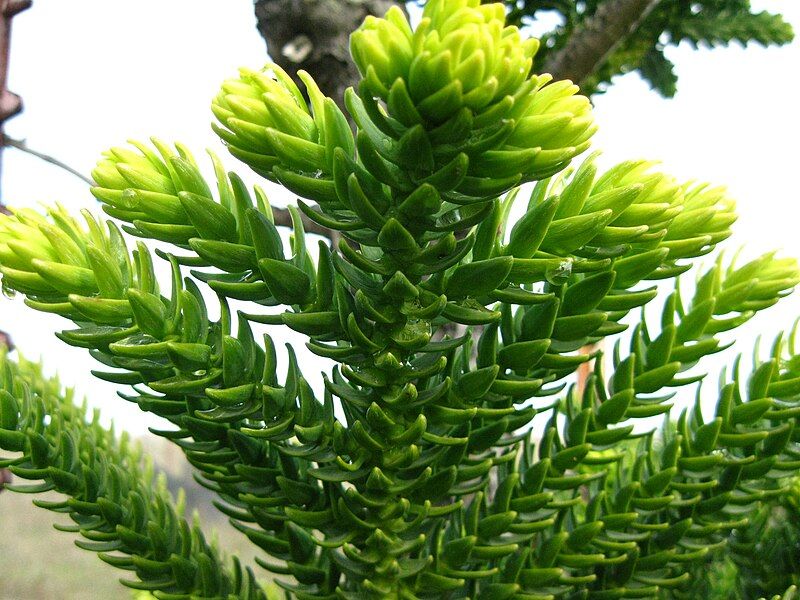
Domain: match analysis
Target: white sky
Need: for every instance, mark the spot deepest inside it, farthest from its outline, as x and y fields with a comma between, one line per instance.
x=94, y=73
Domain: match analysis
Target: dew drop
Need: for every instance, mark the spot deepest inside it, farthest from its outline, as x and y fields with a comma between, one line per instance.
x=559, y=274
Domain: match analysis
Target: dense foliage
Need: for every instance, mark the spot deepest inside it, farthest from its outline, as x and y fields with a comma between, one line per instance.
x=112, y=496
x=418, y=468
x=762, y=558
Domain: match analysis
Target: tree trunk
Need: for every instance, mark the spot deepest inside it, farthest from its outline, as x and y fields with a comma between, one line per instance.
x=314, y=35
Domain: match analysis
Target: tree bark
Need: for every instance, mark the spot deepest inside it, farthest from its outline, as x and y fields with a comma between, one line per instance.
x=5, y=478
x=314, y=35
x=590, y=46
x=10, y=103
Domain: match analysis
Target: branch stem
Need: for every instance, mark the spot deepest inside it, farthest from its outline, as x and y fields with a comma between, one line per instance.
x=21, y=145
x=590, y=46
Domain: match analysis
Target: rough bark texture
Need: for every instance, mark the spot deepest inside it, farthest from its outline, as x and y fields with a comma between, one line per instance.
x=313, y=35
x=589, y=47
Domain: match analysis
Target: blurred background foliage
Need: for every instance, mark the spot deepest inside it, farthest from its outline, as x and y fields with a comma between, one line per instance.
x=708, y=23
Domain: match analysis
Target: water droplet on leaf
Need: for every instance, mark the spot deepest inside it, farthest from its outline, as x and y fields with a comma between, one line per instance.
x=559, y=274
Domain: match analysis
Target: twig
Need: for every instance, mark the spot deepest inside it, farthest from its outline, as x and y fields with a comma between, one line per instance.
x=589, y=47
x=21, y=145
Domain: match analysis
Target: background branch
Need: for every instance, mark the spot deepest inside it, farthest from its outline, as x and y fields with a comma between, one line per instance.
x=590, y=46
x=21, y=145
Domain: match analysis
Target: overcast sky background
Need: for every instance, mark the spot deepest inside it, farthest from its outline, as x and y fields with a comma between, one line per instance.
x=94, y=73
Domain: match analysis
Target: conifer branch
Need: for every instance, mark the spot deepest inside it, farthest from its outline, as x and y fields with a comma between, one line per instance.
x=120, y=509
x=590, y=46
